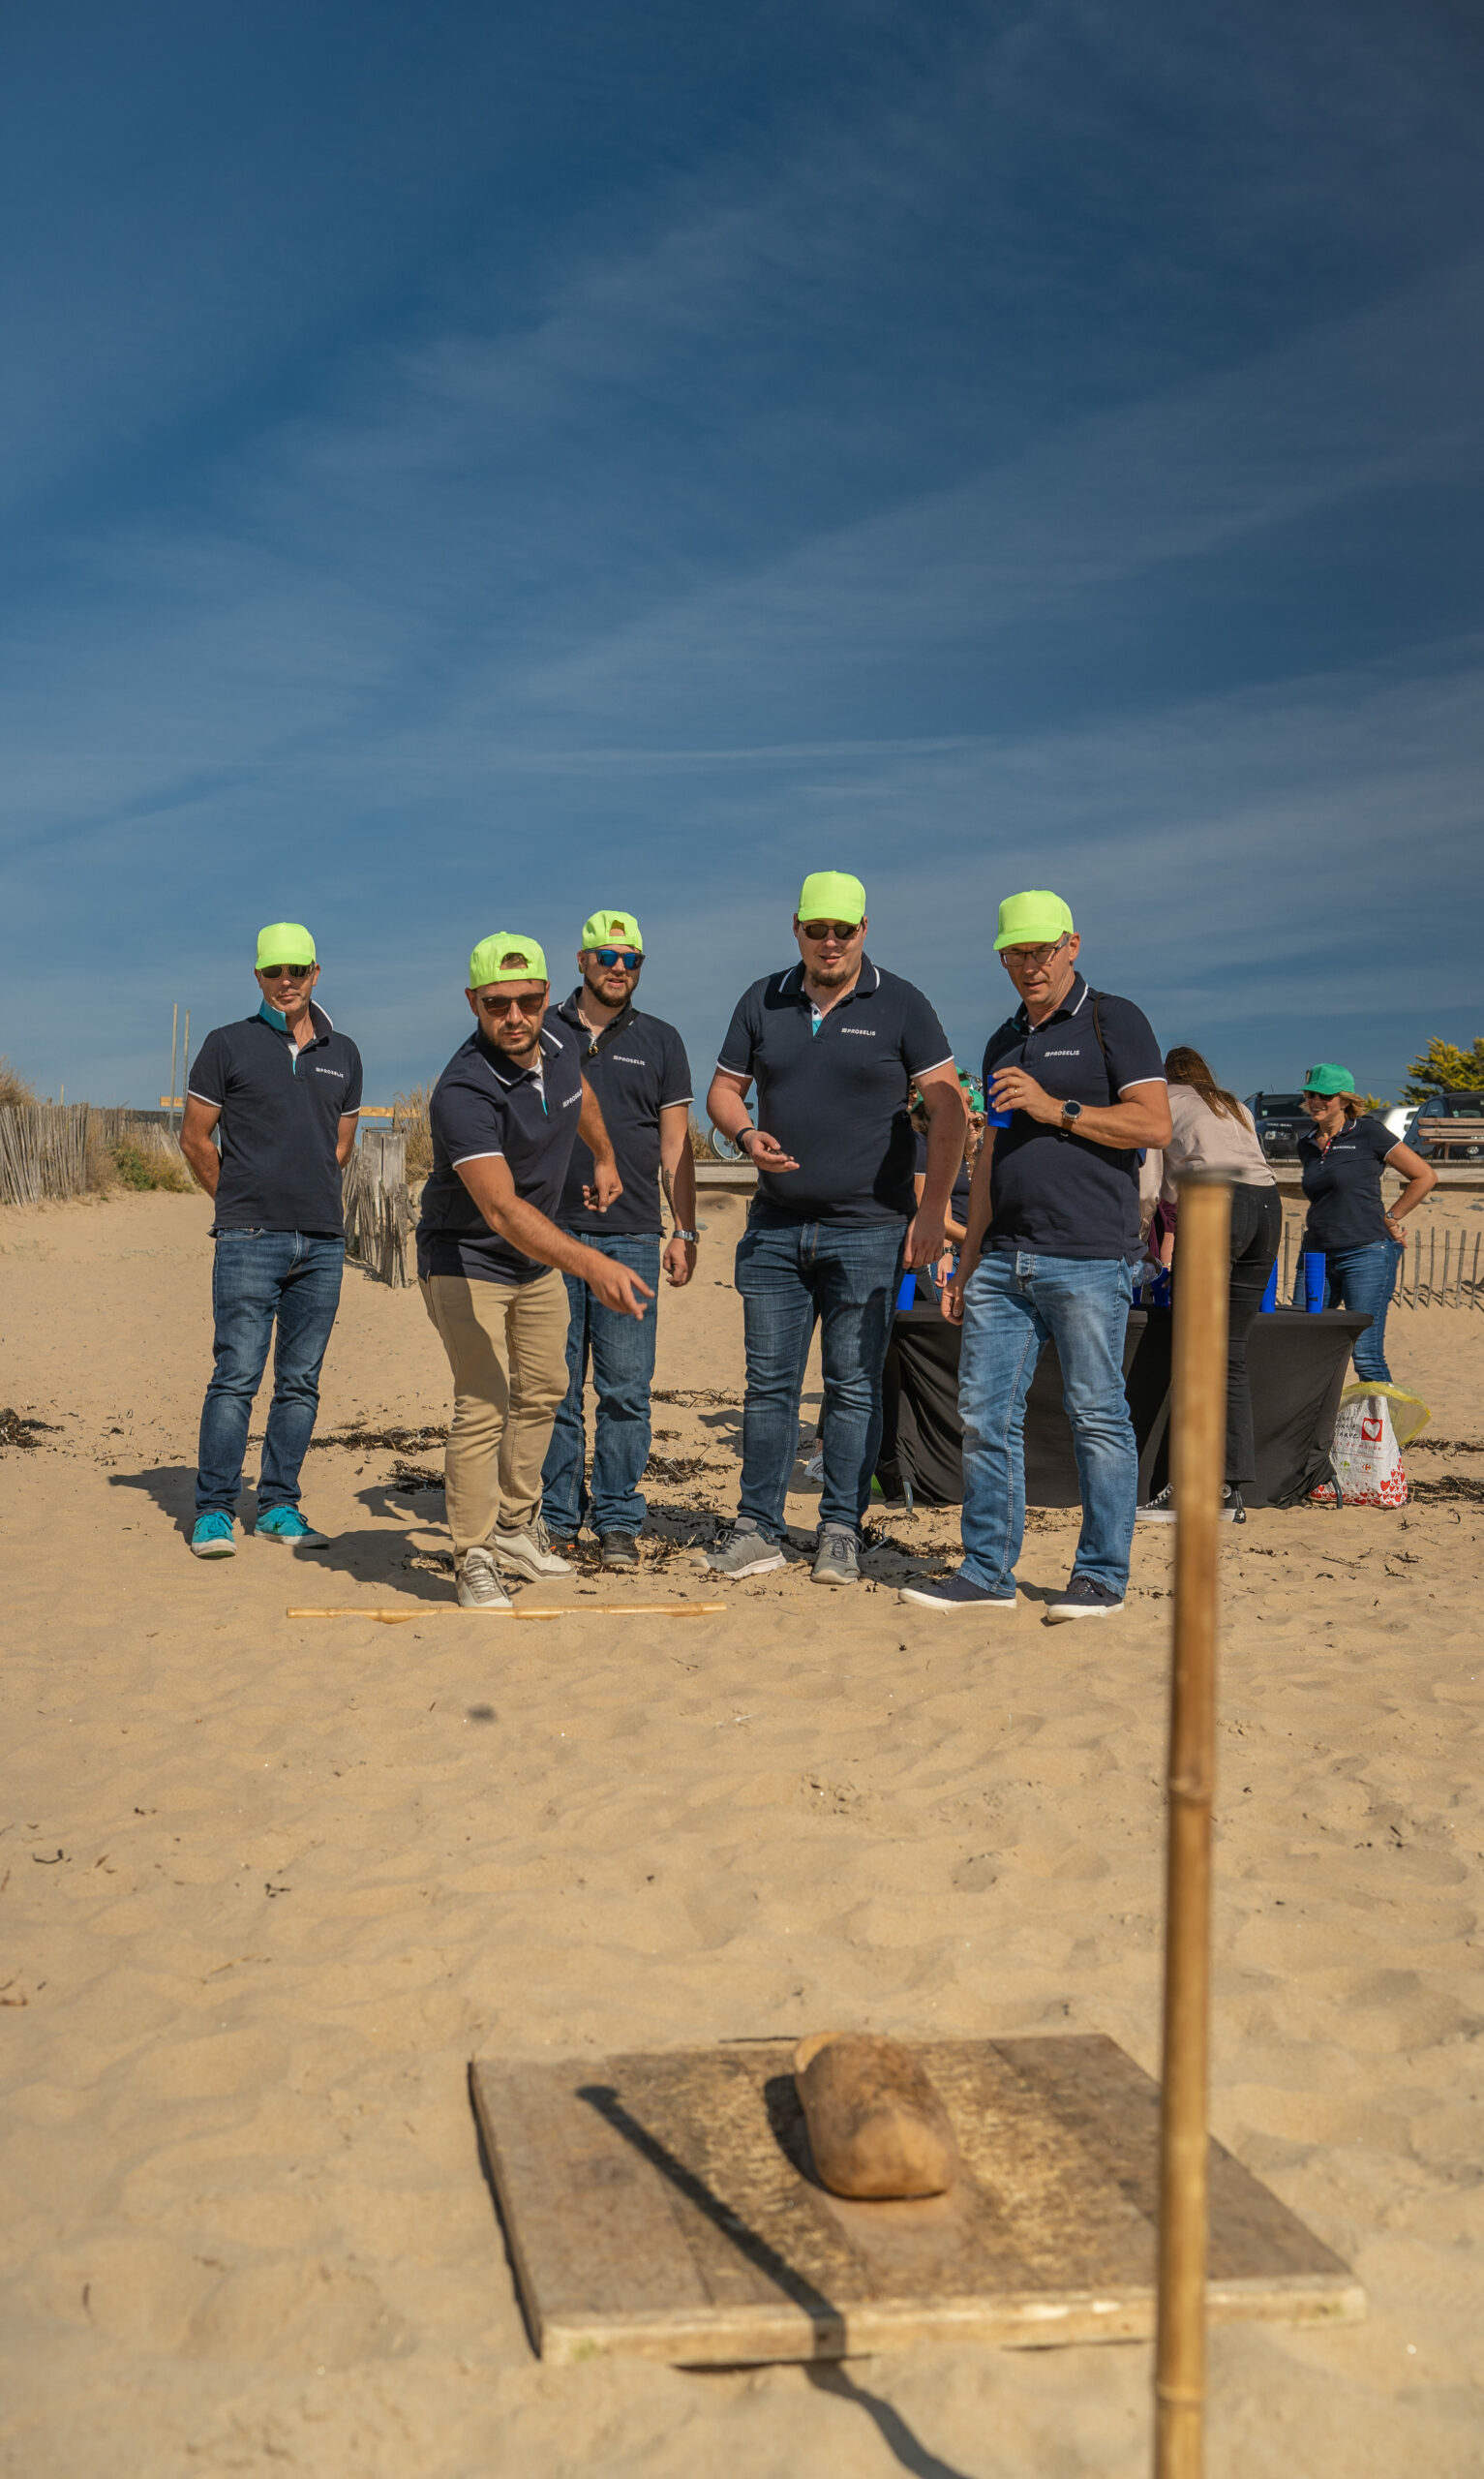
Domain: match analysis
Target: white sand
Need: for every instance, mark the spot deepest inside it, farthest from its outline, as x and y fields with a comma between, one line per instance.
x=306, y=1875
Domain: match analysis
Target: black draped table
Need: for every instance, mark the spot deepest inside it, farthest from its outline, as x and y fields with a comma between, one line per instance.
x=1296, y=1363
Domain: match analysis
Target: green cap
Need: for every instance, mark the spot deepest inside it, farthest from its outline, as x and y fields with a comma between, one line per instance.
x=611, y=929
x=1034, y=920
x=506, y=954
x=1326, y=1078
x=285, y=943
x=832, y=895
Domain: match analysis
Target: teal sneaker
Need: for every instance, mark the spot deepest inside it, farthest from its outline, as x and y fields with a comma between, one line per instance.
x=286, y=1523
x=213, y=1537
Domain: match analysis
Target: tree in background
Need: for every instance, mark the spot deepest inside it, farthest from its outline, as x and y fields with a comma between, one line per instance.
x=1445, y=1068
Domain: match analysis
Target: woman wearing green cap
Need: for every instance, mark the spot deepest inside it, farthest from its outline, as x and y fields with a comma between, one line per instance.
x=1360, y=1241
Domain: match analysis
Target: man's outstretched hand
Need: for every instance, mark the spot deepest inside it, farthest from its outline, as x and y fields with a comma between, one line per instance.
x=617, y=1286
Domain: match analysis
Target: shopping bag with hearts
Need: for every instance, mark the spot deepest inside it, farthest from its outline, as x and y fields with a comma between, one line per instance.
x=1366, y=1457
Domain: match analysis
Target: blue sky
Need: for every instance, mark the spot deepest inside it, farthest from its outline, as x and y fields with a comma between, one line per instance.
x=462, y=466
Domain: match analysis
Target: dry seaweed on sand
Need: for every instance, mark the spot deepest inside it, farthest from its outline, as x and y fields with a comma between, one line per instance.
x=673, y=1469
x=22, y=1429
x=412, y=1477
x=388, y=1441
x=690, y=1395
x=1452, y=1484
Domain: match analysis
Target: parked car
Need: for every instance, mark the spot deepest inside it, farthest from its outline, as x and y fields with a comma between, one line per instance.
x=1449, y=1127
x=1280, y=1119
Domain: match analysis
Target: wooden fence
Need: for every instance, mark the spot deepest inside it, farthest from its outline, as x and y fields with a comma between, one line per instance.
x=379, y=1207
x=56, y=1149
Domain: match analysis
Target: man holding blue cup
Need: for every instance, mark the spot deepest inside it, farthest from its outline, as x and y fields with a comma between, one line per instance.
x=1053, y=1236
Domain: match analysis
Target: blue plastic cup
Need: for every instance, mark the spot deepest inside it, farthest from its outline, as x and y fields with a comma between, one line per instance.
x=1313, y=1280
x=1269, y=1300
x=906, y=1292
x=997, y=1119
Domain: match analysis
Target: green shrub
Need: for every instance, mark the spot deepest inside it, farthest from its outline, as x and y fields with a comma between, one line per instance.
x=136, y=1169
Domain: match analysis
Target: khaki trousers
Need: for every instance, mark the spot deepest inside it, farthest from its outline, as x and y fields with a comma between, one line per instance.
x=507, y=1344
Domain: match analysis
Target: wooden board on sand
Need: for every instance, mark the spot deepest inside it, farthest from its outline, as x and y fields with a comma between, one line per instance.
x=664, y=2207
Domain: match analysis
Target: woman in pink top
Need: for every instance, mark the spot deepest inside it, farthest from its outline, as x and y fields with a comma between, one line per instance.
x=1211, y=1131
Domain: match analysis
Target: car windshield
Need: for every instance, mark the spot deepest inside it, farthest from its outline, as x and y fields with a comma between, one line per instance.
x=1280, y=1106
x=1455, y=1105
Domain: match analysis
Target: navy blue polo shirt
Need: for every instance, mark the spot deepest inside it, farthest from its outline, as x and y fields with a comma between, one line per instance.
x=637, y=1067
x=958, y=1202
x=281, y=1111
x=1343, y=1183
x=1055, y=1194
x=483, y=1104
x=833, y=1091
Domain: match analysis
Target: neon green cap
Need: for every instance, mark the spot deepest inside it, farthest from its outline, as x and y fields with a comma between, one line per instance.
x=285, y=943
x=1033, y=920
x=832, y=895
x=1326, y=1078
x=506, y=954
x=611, y=929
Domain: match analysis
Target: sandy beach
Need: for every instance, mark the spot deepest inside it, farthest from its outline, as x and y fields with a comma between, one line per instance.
x=265, y=1888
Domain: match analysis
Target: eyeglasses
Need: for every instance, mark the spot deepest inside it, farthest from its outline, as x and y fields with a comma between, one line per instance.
x=629, y=956
x=1033, y=958
x=843, y=931
x=529, y=1003
x=286, y=972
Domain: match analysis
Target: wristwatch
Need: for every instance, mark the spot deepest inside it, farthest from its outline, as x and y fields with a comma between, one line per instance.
x=1072, y=1111
x=692, y=1236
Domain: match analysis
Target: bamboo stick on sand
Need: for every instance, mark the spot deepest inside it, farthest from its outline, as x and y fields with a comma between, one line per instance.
x=404, y=1616
x=1199, y=1420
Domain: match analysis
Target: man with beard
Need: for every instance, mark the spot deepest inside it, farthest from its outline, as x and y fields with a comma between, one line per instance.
x=506, y=1115
x=835, y=1046
x=636, y=1065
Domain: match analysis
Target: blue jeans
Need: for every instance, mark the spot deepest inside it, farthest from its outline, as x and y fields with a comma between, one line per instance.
x=1013, y=1305
x=257, y=1276
x=844, y=1274
x=1362, y=1279
x=621, y=1353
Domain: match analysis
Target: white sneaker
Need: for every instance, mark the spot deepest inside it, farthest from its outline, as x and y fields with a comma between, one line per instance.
x=479, y=1584
x=529, y=1553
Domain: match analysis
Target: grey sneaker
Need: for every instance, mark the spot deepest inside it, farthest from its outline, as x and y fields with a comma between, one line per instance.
x=838, y=1559
x=479, y=1584
x=529, y=1553
x=746, y=1551
x=618, y=1549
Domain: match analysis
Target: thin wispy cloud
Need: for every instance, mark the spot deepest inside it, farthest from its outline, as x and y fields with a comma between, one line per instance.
x=995, y=446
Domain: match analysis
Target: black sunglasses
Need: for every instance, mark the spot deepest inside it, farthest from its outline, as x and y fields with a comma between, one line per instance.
x=629, y=956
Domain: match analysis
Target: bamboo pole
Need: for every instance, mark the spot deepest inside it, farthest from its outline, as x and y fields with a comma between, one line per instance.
x=174, y=1027
x=1473, y=1278
x=185, y=1064
x=1198, y=1426
x=405, y=1616
x=1432, y=1267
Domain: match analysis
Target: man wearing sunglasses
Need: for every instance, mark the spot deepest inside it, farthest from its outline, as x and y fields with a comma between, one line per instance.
x=833, y=1046
x=506, y=1116
x=1053, y=1235
x=280, y=1093
x=636, y=1065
